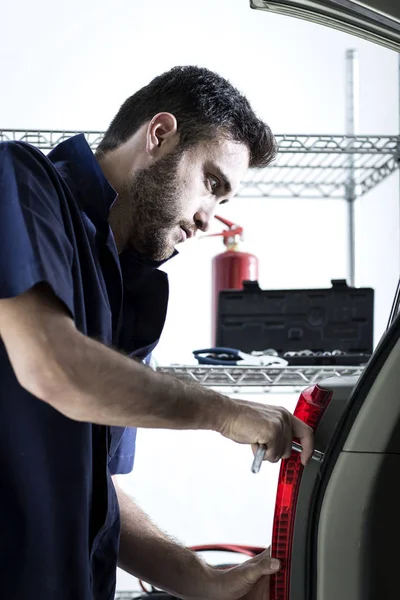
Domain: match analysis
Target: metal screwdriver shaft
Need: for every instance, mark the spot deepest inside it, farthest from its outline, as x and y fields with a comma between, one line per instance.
x=317, y=455
x=259, y=456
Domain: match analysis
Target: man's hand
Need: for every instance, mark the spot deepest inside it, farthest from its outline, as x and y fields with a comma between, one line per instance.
x=248, y=581
x=253, y=423
x=260, y=591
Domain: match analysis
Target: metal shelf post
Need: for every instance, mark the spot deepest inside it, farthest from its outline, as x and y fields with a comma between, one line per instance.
x=398, y=152
x=352, y=90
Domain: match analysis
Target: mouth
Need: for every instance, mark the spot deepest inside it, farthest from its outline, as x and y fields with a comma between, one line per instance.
x=186, y=234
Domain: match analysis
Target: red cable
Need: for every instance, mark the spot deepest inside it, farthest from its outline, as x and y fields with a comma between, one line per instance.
x=238, y=549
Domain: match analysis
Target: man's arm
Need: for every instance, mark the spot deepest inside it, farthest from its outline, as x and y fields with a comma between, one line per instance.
x=149, y=554
x=87, y=381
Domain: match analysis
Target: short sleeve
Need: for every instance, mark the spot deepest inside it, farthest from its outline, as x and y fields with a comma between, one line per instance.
x=124, y=455
x=34, y=246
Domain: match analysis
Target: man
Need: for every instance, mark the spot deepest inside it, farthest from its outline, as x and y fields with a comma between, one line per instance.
x=81, y=237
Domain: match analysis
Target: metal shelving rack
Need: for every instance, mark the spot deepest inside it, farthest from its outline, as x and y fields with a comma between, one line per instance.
x=316, y=166
x=307, y=166
x=258, y=377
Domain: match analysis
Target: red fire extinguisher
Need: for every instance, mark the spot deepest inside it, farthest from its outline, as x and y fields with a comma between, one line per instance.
x=230, y=268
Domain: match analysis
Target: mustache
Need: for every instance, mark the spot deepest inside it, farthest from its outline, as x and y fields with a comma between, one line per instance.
x=189, y=228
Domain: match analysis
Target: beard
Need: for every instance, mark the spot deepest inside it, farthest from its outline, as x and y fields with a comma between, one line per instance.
x=154, y=198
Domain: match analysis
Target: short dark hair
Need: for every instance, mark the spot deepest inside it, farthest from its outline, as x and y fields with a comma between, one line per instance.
x=204, y=104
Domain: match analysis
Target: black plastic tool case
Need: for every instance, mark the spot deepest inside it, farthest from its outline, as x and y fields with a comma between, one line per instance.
x=320, y=320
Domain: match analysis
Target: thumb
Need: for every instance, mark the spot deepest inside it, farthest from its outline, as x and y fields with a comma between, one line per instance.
x=306, y=437
x=260, y=565
x=241, y=580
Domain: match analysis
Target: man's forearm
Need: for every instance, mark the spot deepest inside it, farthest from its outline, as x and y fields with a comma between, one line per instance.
x=113, y=389
x=103, y=386
x=149, y=554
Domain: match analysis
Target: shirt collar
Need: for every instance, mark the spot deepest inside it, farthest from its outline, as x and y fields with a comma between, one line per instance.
x=75, y=159
x=135, y=266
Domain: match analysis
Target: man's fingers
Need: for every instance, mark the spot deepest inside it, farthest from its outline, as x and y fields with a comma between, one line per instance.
x=255, y=448
x=270, y=453
x=288, y=451
x=306, y=437
x=280, y=442
x=273, y=427
x=273, y=454
x=240, y=581
x=271, y=566
x=260, y=565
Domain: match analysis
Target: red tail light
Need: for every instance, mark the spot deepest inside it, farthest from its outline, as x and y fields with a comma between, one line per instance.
x=310, y=408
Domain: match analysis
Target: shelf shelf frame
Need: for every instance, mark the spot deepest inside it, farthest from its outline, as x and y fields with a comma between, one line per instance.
x=261, y=377
x=308, y=166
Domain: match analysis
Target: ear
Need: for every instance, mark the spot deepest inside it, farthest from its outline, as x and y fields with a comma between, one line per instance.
x=162, y=135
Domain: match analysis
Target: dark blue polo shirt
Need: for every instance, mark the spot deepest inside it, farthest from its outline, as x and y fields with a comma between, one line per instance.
x=59, y=518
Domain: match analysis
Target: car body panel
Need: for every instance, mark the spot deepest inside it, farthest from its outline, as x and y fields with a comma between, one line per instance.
x=347, y=527
x=377, y=427
x=359, y=529
x=341, y=388
x=375, y=20
x=355, y=524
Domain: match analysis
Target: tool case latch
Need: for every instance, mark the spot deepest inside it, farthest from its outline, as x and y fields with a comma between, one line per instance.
x=339, y=284
x=251, y=286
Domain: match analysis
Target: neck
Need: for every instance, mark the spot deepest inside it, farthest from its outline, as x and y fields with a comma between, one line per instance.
x=117, y=218
x=119, y=224
x=107, y=165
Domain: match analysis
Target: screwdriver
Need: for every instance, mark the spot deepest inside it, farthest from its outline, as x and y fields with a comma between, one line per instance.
x=259, y=456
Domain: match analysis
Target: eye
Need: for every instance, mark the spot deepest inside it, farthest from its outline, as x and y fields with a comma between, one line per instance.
x=224, y=202
x=213, y=183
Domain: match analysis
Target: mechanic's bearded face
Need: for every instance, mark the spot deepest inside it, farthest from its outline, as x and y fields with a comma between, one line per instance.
x=179, y=193
x=155, y=196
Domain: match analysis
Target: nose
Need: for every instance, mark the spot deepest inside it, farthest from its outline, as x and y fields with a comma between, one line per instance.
x=202, y=219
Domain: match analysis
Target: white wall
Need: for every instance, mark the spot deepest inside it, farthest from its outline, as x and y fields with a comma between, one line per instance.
x=70, y=65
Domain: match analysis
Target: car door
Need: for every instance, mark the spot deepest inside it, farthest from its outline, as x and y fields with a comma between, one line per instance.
x=337, y=525
x=375, y=20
